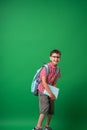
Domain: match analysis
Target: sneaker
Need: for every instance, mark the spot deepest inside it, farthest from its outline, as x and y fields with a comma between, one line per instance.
x=47, y=128
x=35, y=128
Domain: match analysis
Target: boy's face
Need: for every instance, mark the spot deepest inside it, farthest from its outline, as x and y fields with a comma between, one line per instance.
x=55, y=58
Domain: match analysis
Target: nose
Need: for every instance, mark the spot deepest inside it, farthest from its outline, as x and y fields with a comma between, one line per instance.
x=57, y=59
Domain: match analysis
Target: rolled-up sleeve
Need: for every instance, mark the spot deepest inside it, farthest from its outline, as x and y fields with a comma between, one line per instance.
x=43, y=72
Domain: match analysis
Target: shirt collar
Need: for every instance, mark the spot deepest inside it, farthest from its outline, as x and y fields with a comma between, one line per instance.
x=53, y=66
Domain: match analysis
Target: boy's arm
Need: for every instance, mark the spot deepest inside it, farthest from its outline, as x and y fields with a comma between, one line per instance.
x=47, y=88
x=55, y=82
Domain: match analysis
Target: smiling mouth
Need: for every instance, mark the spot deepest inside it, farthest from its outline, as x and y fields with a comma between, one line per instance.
x=55, y=61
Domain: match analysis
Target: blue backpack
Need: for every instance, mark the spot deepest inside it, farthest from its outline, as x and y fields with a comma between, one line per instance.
x=36, y=80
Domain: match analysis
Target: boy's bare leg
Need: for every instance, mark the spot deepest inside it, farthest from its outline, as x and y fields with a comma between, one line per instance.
x=40, y=120
x=48, y=120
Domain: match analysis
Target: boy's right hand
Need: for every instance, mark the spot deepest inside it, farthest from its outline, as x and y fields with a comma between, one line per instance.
x=52, y=96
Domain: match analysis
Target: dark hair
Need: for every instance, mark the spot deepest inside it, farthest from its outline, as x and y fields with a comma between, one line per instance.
x=55, y=51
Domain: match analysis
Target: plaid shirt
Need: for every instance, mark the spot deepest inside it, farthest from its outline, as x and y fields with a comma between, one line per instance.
x=51, y=78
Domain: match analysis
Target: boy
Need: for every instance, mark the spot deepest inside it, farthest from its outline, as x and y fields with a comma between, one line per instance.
x=46, y=103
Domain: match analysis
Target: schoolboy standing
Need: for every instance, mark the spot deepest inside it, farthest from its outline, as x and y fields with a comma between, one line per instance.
x=46, y=103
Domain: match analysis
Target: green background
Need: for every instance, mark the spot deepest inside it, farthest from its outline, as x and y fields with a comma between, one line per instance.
x=29, y=30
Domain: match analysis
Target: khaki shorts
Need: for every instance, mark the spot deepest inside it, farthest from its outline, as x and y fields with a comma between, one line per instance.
x=46, y=104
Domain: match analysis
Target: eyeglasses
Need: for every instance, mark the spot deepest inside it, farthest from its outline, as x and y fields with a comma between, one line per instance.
x=56, y=57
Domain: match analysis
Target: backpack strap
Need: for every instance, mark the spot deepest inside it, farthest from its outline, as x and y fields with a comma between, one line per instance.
x=47, y=69
x=57, y=70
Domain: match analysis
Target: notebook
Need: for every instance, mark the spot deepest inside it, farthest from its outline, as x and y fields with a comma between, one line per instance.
x=54, y=90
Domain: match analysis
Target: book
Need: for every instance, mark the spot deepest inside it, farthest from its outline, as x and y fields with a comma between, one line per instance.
x=54, y=90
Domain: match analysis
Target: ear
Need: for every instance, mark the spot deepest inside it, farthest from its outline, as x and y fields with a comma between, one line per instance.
x=50, y=58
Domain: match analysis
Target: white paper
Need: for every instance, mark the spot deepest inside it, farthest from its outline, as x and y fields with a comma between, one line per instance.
x=54, y=90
